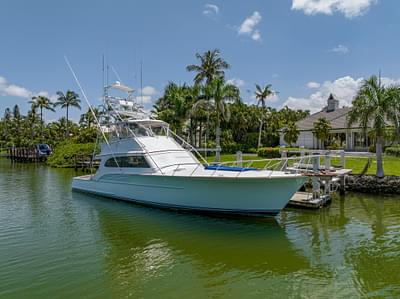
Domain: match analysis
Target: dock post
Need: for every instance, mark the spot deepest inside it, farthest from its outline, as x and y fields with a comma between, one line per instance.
x=316, y=186
x=327, y=164
x=327, y=160
x=342, y=159
x=342, y=190
x=302, y=152
x=239, y=159
x=284, y=159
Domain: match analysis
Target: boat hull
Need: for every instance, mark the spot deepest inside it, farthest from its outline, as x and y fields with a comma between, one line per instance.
x=259, y=196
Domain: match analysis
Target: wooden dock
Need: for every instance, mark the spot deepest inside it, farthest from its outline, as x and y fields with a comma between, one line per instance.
x=306, y=200
x=325, y=179
x=25, y=155
x=85, y=163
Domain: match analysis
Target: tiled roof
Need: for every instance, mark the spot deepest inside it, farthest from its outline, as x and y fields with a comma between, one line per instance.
x=337, y=119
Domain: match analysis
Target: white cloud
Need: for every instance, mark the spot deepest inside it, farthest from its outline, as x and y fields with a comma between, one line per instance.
x=340, y=49
x=313, y=85
x=344, y=89
x=13, y=90
x=210, y=10
x=350, y=8
x=149, y=91
x=7, y=89
x=237, y=82
x=146, y=95
x=249, y=26
x=256, y=35
x=388, y=81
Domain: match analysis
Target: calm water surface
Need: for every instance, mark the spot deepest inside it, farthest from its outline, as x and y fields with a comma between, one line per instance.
x=55, y=243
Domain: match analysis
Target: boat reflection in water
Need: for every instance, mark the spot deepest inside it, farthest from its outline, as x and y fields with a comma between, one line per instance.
x=146, y=246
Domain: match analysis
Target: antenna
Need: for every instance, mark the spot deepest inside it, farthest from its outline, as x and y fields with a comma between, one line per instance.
x=116, y=74
x=107, y=71
x=141, y=82
x=103, y=71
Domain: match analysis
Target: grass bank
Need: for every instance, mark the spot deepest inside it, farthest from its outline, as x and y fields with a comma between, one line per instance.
x=391, y=164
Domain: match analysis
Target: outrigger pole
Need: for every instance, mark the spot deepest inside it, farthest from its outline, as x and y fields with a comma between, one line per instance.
x=90, y=107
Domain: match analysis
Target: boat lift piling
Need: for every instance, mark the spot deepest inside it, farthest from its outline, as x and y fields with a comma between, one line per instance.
x=325, y=179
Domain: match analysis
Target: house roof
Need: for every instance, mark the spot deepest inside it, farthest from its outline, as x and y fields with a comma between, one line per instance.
x=337, y=119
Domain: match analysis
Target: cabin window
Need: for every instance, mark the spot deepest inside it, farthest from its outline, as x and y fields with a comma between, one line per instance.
x=127, y=162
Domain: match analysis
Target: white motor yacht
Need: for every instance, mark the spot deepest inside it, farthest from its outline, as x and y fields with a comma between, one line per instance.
x=143, y=161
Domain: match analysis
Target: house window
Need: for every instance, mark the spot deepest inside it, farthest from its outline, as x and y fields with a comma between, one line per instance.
x=127, y=161
x=360, y=140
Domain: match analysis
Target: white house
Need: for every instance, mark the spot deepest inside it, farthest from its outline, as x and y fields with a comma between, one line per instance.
x=349, y=138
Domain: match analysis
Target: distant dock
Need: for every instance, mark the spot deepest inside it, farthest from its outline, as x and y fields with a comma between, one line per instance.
x=24, y=154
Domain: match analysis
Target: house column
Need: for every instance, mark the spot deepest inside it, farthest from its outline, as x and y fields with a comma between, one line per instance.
x=349, y=140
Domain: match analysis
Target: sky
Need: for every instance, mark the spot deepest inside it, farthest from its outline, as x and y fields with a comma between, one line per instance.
x=306, y=49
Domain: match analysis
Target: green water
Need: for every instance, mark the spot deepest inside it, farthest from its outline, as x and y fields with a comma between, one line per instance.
x=55, y=243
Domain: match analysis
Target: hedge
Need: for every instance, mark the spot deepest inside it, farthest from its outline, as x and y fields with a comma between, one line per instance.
x=393, y=151
x=274, y=152
x=269, y=152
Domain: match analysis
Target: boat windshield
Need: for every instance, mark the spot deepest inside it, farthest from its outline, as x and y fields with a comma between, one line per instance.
x=127, y=129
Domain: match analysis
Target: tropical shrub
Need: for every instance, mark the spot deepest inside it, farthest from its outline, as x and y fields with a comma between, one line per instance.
x=269, y=152
x=250, y=141
x=64, y=153
x=393, y=151
x=252, y=150
x=372, y=148
x=275, y=152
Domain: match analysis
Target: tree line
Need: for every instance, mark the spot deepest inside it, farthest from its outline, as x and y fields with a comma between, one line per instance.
x=27, y=130
x=211, y=112
x=208, y=113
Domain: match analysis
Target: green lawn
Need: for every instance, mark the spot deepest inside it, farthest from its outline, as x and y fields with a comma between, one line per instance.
x=391, y=164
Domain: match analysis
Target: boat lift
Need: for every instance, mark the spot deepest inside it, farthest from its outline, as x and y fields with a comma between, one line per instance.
x=326, y=179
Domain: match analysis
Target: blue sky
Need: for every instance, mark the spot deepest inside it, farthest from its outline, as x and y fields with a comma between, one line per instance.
x=304, y=48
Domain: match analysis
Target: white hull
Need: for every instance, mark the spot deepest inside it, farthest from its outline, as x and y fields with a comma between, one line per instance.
x=208, y=194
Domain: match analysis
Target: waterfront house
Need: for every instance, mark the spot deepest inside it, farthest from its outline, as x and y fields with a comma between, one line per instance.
x=342, y=136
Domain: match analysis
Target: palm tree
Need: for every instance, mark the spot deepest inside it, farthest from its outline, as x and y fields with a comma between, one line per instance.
x=172, y=106
x=372, y=106
x=321, y=130
x=219, y=94
x=211, y=66
x=32, y=119
x=291, y=133
x=87, y=119
x=394, y=112
x=41, y=102
x=261, y=95
x=69, y=99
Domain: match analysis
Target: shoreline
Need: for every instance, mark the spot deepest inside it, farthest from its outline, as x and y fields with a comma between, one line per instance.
x=371, y=184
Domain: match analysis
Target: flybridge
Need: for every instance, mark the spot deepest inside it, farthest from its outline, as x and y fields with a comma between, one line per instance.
x=119, y=86
x=121, y=108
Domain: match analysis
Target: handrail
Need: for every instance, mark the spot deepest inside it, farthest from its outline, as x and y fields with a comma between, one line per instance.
x=190, y=146
x=270, y=164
